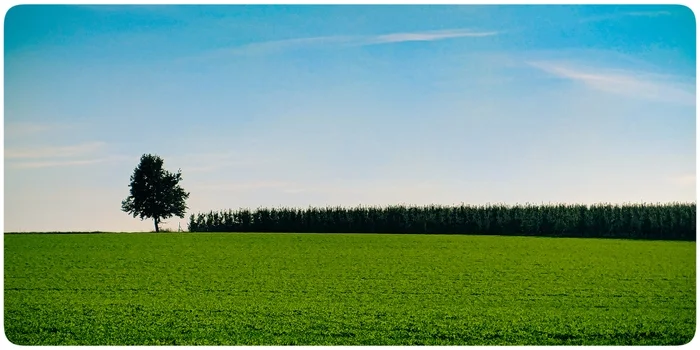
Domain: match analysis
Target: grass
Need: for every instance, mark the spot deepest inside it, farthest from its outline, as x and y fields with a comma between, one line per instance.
x=271, y=289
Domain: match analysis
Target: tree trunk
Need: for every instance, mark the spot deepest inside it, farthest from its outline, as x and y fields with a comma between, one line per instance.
x=155, y=222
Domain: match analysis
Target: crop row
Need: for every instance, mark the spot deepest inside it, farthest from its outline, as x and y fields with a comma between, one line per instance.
x=674, y=221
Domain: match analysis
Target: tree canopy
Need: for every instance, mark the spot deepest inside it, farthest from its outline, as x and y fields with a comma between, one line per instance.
x=155, y=193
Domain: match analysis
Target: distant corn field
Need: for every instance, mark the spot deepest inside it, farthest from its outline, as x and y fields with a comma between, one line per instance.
x=674, y=221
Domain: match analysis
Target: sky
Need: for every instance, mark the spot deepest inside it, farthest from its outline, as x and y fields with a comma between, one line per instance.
x=344, y=105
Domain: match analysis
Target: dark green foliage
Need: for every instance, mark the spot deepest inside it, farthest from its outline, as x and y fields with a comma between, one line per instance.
x=155, y=192
x=674, y=221
x=345, y=289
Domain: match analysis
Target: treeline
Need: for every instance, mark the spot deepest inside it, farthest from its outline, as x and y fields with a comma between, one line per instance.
x=675, y=221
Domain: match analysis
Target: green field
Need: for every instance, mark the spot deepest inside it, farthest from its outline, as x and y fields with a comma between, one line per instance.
x=346, y=289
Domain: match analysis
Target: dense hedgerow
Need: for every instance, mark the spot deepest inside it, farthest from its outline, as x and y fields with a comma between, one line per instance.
x=675, y=221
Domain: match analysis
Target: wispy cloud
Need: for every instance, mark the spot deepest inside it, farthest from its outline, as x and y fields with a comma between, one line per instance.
x=54, y=152
x=25, y=129
x=423, y=36
x=269, y=47
x=64, y=163
x=625, y=14
x=648, y=13
x=59, y=156
x=636, y=84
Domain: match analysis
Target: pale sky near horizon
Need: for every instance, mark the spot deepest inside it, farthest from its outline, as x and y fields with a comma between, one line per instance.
x=345, y=105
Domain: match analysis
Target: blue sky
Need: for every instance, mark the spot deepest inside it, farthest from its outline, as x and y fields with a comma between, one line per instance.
x=345, y=105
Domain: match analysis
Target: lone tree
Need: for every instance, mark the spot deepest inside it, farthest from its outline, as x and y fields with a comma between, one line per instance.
x=155, y=192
